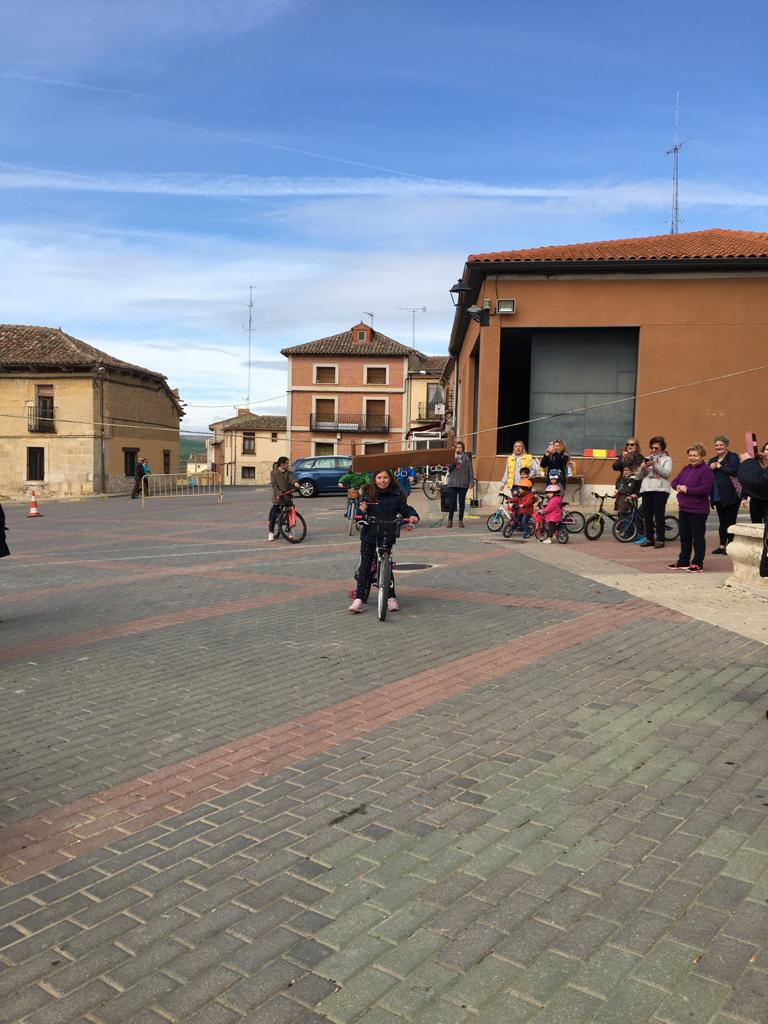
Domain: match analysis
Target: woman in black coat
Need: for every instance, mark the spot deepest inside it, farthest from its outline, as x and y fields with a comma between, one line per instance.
x=753, y=475
x=3, y=546
x=725, y=497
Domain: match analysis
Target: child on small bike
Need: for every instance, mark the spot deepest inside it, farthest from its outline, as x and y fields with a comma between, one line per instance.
x=525, y=505
x=552, y=511
x=383, y=498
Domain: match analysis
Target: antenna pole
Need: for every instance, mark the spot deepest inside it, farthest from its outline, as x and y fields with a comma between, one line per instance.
x=250, y=329
x=371, y=316
x=413, y=310
x=675, y=152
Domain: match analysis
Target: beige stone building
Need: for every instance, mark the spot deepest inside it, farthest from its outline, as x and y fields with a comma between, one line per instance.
x=244, y=447
x=74, y=420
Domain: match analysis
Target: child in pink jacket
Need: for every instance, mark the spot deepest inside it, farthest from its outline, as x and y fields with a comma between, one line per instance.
x=552, y=511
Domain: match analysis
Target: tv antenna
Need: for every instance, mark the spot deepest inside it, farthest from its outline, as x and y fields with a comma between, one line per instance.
x=371, y=316
x=413, y=310
x=250, y=332
x=675, y=152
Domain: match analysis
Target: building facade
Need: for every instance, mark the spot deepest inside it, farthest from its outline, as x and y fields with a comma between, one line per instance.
x=347, y=394
x=429, y=400
x=75, y=420
x=245, y=447
x=594, y=343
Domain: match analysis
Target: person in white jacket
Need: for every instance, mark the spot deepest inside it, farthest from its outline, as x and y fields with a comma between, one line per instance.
x=655, y=472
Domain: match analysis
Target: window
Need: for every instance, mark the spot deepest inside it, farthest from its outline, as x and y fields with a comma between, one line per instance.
x=376, y=414
x=166, y=460
x=249, y=444
x=375, y=375
x=325, y=375
x=324, y=448
x=35, y=463
x=41, y=417
x=435, y=396
x=361, y=335
x=374, y=447
x=273, y=435
x=130, y=455
x=248, y=472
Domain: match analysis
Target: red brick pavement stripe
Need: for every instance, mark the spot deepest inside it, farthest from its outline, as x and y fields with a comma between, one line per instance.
x=40, y=843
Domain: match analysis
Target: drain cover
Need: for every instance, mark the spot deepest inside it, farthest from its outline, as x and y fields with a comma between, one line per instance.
x=411, y=566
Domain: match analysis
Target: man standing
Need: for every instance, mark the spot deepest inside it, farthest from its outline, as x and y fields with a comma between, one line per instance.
x=138, y=477
x=753, y=476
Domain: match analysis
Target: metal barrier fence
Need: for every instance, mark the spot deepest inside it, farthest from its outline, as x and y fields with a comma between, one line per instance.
x=179, y=485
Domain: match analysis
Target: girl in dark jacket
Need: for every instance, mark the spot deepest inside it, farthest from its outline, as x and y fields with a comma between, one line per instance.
x=382, y=497
x=725, y=497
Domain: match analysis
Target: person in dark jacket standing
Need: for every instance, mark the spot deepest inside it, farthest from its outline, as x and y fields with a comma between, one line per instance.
x=753, y=474
x=138, y=477
x=554, y=462
x=4, y=551
x=694, y=487
x=460, y=478
x=758, y=507
x=726, y=496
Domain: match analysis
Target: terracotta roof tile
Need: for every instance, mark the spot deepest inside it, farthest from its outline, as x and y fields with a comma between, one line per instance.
x=346, y=344
x=715, y=243
x=25, y=346
x=253, y=422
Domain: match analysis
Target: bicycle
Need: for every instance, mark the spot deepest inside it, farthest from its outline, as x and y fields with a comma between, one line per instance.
x=495, y=520
x=432, y=483
x=387, y=532
x=351, y=513
x=629, y=526
x=560, y=533
x=290, y=524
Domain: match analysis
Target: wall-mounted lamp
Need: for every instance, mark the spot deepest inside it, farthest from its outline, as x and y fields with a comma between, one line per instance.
x=459, y=292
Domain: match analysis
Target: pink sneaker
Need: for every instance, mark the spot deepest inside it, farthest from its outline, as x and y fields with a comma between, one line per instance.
x=392, y=605
x=357, y=606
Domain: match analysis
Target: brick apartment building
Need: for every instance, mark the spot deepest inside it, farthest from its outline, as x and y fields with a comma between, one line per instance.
x=347, y=394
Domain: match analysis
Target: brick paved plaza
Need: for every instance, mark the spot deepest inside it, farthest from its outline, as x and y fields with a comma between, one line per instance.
x=529, y=796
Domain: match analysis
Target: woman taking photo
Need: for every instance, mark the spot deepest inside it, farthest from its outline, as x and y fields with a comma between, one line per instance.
x=555, y=463
x=655, y=471
x=726, y=491
x=460, y=479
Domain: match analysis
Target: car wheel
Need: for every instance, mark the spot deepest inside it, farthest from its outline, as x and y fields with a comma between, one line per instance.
x=307, y=488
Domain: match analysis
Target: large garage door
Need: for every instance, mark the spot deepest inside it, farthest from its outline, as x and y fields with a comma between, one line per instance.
x=583, y=368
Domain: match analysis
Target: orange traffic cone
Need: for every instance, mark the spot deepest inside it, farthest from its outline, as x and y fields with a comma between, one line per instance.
x=34, y=511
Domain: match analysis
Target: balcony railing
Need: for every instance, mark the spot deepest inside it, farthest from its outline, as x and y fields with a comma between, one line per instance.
x=41, y=421
x=426, y=411
x=343, y=424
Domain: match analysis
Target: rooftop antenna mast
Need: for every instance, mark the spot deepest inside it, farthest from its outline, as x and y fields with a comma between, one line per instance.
x=250, y=331
x=413, y=310
x=675, y=151
x=371, y=316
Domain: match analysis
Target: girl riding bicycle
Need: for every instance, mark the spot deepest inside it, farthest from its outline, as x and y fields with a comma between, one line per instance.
x=384, y=498
x=282, y=480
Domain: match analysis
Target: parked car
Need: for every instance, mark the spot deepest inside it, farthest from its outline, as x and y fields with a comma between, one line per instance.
x=320, y=475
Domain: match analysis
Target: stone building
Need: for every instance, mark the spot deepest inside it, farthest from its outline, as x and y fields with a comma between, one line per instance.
x=245, y=447
x=74, y=420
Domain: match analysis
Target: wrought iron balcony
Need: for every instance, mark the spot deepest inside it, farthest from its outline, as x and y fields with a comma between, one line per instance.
x=426, y=411
x=350, y=424
x=41, y=421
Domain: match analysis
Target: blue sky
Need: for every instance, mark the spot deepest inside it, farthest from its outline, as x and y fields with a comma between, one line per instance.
x=157, y=159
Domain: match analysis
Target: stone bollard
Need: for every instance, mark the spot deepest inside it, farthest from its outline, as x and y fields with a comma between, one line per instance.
x=745, y=550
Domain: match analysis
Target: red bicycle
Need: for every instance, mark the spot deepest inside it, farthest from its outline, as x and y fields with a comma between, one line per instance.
x=290, y=524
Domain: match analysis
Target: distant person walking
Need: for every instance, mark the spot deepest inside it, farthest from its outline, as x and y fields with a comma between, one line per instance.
x=138, y=478
x=655, y=471
x=460, y=478
x=726, y=490
x=4, y=551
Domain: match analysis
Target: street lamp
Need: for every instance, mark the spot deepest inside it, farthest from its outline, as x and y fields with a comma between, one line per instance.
x=459, y=292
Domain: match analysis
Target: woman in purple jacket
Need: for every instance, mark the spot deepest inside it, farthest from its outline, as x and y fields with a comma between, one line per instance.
x=694, y=486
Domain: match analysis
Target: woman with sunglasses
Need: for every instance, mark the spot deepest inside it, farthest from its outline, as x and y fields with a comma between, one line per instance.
x=655, y=471
x=460, y=478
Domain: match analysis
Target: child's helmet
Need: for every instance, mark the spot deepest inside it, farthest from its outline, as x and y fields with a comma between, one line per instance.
x=524, y=483
x=553, y=489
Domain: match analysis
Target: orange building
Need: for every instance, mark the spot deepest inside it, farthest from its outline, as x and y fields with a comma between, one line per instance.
x=347, y=394
x=595, y=342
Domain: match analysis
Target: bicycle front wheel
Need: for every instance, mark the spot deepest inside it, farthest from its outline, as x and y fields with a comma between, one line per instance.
x=431, y=488
x=294, y=532
x=574, y=522
x=561, y=534
x=495, y=521
x=385, y=581
x=625, y=529
x=508, y=530
x=671, y=527
x=593, y=527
